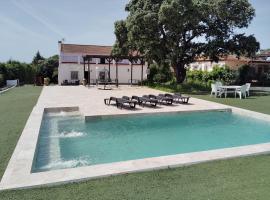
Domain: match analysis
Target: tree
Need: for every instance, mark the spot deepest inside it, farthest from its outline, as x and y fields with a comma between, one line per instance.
x=122, y=46
x=36, y=63
x=182, y=30
x=15, y=70
x=37, y=59
x=3, y=72
x=246, y=73
x=48, y=68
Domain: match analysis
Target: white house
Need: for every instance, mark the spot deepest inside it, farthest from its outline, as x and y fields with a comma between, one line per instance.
x=72, y=67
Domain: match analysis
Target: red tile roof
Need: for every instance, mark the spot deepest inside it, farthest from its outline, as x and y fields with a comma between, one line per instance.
x=94, y=50
x=86, y=49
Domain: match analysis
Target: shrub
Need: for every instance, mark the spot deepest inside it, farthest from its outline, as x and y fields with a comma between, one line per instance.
x=224, y=74
x=29, y=74
x=2, y=80
x=55, y=76
x=218, y=73
x=264, y=79
x=17, y=70
x=2, y=74
x=203, y=79
x=48, y=68
x=198, y=85
x=160, y=73
x=47, y=81
x=246, y=74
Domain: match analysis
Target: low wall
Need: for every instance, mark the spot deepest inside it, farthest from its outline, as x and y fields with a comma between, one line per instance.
x=13, y=82
x=266, y=89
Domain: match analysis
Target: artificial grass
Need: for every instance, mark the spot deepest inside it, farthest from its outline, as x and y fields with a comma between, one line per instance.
x=15, y=108
x=242, y=178
x=258, y=101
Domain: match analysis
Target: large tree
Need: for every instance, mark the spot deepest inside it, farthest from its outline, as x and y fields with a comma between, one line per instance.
x=37, y=59
x=182, y=30
x=49, y=68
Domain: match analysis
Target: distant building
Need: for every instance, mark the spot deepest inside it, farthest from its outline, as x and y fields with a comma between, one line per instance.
x=71, y=67
x=206, y=64
x=261, y=62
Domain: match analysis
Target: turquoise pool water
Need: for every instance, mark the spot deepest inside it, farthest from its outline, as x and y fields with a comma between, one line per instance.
x=69, y=141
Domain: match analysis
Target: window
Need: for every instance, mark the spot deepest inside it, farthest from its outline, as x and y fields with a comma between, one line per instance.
x=265, y=69
x=102, y=60
x=195, y=67
x=74, y=75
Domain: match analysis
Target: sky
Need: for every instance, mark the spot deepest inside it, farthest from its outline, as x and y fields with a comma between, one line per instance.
x=31, y=25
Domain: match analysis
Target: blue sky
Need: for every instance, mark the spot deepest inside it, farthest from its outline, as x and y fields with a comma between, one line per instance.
x=31, y=25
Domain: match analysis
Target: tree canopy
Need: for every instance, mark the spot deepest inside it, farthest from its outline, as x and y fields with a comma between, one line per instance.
x=179, y=31
x=37, y=59
x=27, y=73
x=48, y=68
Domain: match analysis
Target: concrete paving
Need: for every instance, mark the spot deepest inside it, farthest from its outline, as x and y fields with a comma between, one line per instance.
x=91, y=100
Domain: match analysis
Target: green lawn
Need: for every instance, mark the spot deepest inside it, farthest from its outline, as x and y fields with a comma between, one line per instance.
x=257, y=101
x=243, y=178
x=15, y=108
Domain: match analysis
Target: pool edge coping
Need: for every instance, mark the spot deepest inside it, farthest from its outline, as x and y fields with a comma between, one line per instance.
x=36, y=117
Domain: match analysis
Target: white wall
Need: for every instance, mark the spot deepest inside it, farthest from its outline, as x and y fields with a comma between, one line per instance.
x=205, y=66
x=64, y=72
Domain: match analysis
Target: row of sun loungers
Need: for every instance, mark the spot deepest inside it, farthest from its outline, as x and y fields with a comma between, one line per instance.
x=120, y=102
x=144, y=100
x=152, y=100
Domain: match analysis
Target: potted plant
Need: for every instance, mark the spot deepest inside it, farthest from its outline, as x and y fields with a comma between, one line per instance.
x=46, y=81
x=84, y=82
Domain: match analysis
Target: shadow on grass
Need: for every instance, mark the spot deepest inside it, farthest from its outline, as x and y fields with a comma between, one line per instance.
x=259, y=93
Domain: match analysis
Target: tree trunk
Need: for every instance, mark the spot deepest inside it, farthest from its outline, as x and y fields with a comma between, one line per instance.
x=180, y=72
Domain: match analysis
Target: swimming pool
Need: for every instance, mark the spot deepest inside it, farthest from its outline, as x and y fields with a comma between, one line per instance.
x=70, y=141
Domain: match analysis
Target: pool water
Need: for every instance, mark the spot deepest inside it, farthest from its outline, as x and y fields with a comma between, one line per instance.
x=70, y=141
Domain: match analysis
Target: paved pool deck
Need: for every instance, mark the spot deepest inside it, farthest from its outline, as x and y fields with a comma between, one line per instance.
x=90, y=102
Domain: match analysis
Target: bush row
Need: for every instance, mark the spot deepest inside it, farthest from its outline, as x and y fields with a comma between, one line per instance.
x=28, y=73
x=205, y=78
x=16, y=70
x=244, y=74
x=201, y=80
